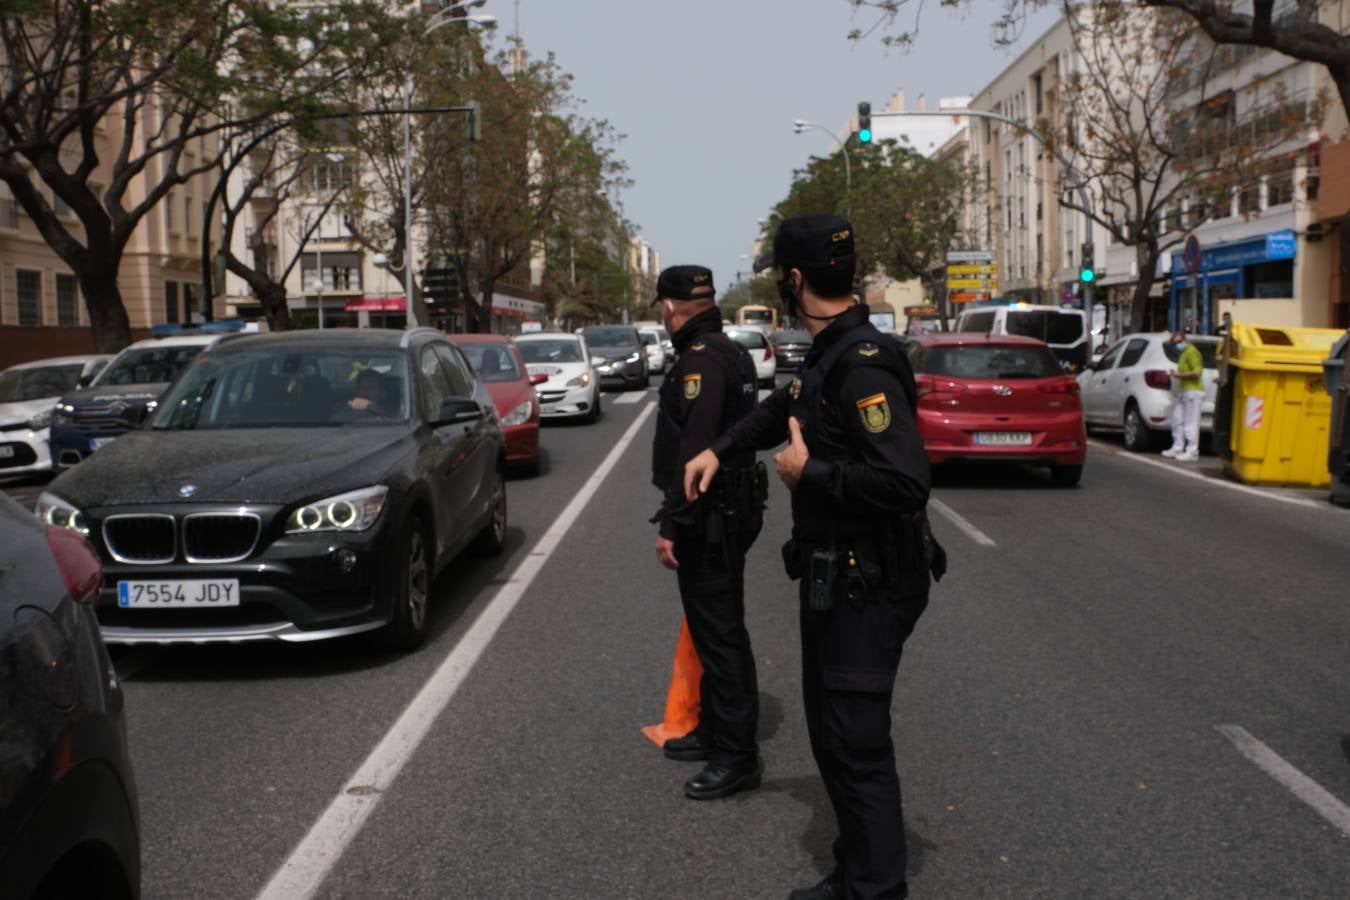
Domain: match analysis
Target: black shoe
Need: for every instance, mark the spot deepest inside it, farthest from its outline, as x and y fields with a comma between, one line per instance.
x=719, y=781
x=829, y=889
x=689, y=748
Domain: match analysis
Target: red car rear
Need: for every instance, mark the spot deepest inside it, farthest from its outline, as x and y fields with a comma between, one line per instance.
x=998, y=398
x=502, y=369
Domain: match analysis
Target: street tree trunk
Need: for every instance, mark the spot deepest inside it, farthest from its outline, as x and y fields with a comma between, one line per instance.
x=273, y=299
x=1146, y=258
x=108, y=320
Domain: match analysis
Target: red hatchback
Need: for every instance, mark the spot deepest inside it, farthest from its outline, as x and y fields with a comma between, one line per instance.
x=998, y=398
x=503, y=372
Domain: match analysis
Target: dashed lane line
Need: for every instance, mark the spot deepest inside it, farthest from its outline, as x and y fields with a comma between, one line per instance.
x=629, y=397
x=1301, y=786
x=303, y=872
x=962, y=523
x=1198, y=476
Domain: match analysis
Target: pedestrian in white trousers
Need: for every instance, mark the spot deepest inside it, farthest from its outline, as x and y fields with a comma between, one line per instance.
x=1190, y=375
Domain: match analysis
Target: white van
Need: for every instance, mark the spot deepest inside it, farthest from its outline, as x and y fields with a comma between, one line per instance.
x=1067, y=331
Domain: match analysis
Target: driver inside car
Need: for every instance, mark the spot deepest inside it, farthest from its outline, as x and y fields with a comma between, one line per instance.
x=374, y=395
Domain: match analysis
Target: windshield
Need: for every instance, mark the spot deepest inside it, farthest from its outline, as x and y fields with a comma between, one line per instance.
x=492, y=362
x=610, y=338
x=1047, y=325
x=648, y=339
x=752, y=340
x=18, y=385
x=757, y=315
x=791, y=337
x=270, y=388
x=1207, y=350
x=148, y=365
x=992, y=361
x=562, y=350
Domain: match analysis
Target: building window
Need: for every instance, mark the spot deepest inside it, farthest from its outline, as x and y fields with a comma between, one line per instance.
x=171, y=301
x=29, y=284
x=1249, y=198
x=67, y=300
x=1037, y=88
x=1280, y=189
x=168, y=214
x=189, y=302
x=187, y=215
x=1271, y=280
x=9, y=212
x=326, y=176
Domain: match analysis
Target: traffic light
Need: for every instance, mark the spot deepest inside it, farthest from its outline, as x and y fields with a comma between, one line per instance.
x=864, y=122
x=1087, y=272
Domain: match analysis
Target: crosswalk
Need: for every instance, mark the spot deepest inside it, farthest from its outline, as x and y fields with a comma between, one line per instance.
x=630, y=397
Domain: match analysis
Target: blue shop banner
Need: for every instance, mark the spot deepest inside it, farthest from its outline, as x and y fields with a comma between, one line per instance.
x=1276, y=245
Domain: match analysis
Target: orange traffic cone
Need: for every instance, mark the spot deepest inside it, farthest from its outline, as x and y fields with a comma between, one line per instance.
x=682, y=702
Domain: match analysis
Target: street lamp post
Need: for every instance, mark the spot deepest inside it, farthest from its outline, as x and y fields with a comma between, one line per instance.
x=800, y=125
x=441, y=18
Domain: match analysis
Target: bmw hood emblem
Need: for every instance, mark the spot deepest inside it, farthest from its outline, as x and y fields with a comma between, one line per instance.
x=187, y=490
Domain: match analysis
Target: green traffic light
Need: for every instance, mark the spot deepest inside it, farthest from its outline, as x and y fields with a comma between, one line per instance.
x=865, y=136
x=1087, y=276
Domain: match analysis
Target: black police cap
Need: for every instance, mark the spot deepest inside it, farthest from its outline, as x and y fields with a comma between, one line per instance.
x=817, y=241
x=684, y=283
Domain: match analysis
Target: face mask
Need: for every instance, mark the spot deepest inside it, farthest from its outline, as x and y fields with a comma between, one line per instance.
x=1179, y=344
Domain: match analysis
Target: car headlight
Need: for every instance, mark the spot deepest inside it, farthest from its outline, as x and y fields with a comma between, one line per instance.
x=636, y=357
x=581, y=380
x=353, y=511
x=520, y=415
x=62, y=414
x=55, y=511
x=41, y=420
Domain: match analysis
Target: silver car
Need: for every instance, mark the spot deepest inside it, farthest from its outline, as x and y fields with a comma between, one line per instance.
x=1130, y=387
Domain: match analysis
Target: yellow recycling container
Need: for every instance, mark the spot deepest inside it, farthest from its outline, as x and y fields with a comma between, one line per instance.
x=1280, y=411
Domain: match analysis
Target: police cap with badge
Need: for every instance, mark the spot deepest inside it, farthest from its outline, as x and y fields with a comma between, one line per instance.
x=817, y=241
x=684, y=283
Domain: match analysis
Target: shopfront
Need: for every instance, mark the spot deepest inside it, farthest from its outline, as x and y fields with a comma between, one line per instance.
x=1205, y=279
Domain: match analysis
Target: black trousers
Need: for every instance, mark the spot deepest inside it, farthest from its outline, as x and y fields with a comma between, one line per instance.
x=850, y=656
x=714, y=606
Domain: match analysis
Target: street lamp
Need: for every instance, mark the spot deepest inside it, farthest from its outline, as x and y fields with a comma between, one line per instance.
x=800, y=125
x=409, y=271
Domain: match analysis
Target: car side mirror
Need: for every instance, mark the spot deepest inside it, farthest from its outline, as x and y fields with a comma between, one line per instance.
x=459, y=409
x=538, y=378
x=86, y=380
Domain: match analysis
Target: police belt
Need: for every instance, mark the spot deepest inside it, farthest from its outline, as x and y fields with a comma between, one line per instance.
x=875, y=551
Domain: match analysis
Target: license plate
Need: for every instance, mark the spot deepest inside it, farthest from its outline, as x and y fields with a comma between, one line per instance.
x=177, y=594
x=1003, y=438
x=95, y=443
x=6, y=452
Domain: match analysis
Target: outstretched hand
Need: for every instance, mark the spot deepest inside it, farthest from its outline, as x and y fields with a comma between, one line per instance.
x=699, y=473
x=791, y=460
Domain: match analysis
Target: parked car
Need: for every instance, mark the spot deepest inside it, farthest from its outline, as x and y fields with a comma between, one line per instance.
x=997, y=398
x=69, y=822
x=790, y=348
x=294, y=486
x=757, y=345
x=500, y=366
x=1129, y=388
x=657, y=359
x=126, y=390
x=569, y=387
x=1068, y=332
x=618, y=357
x=28, y=396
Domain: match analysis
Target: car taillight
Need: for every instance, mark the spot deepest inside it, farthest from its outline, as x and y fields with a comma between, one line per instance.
x=1157, y=378
x=80, y=569
x=927, y=384
x=1061, y=386
x=768, y=353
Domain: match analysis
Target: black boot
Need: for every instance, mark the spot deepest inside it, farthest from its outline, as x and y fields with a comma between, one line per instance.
x=720, y=781
x=829, y=889
x=690, y=748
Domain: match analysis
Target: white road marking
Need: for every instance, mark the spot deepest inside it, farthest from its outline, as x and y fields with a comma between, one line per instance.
x=303, y=872
x=962, y=523
x=630, y=397
x=1301, y=786
x=1217, y=482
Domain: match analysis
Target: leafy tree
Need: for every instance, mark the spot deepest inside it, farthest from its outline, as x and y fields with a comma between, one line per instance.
x=110, y=106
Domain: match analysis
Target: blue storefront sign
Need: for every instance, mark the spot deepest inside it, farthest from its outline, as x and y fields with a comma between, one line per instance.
x=1223, y=264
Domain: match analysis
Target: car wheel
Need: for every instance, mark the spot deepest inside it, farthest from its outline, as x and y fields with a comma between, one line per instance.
x=492, y=539
x=1066, y=476
x=407, y=628
x=1138, y=437
x=594, y=415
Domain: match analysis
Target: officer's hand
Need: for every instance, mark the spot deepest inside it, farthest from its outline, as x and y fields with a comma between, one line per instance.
x=699, y=473
x=665, y=552
x=792, y=458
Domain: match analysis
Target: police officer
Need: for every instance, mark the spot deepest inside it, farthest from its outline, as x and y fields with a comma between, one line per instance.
x=711, y=386
x=860, y=545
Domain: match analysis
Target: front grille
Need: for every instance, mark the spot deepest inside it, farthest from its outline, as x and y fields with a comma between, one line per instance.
x=219, y=537
x=552, y=396
x=23, y=456
x=141, y=540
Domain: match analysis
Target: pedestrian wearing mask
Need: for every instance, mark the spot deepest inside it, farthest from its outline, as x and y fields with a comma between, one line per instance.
x=859, y=478
x=1189, y=376
x=711, y=387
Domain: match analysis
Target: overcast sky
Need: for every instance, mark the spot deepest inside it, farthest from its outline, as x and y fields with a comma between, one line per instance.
x=706, y=93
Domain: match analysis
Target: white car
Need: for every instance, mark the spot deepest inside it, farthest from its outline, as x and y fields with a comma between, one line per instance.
x=657, y=359
x=28, y=394
x=760, y=348
x=1129, y=388
x=564, y=379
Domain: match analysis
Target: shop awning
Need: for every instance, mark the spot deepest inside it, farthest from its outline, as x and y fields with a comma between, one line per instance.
x=376, y=304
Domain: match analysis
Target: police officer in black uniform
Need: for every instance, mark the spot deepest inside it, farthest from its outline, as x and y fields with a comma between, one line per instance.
x=860, y=544
x=711, y=386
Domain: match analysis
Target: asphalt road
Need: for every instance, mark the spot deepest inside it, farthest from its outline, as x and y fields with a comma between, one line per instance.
x=1071, y=716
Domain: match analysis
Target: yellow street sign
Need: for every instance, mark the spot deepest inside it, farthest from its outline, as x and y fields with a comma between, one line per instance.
x=967, y=271
x=972, y=284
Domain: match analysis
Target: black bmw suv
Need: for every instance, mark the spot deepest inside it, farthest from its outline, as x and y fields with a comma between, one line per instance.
x=293, y=486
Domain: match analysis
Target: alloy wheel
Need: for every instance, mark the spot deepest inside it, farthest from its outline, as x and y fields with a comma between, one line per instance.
x=418, y=578
x=499, y=509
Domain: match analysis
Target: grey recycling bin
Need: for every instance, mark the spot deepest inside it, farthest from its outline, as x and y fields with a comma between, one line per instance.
x=1338, y=452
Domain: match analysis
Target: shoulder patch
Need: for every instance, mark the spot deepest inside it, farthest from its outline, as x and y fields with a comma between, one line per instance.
x=693, y=383
x=875, y=413
x=868, y=350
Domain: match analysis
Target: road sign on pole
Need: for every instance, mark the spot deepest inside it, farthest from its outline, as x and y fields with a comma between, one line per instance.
x=970, y=256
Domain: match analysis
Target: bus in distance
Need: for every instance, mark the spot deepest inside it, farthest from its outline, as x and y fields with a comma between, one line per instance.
x=758, y=317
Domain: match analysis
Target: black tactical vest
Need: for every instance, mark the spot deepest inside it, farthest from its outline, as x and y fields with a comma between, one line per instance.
x=741, y=397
